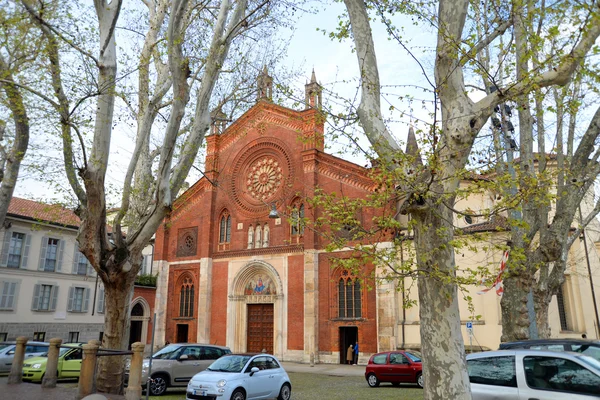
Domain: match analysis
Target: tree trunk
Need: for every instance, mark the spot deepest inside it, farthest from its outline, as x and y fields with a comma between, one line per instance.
x=12, y=162
x=541, y=301
x=444, y=365
x=515, y=319
x=116, y=333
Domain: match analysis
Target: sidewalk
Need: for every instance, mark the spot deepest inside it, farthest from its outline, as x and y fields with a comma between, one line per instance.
x=325, y=369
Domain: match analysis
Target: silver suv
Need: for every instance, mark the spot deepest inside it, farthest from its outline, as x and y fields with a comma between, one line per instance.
x=175, y=364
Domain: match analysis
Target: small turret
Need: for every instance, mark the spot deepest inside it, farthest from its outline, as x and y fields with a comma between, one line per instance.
x=412, y=147
x=265, y=85
x=312, y=93
x=218, y=120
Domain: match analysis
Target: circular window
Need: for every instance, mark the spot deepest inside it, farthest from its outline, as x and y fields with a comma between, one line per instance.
x=260, y=175
x=468, y=219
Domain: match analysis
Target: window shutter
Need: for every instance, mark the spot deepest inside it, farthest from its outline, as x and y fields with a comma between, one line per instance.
x=75, y=258
x=43, y=250
x=101, y=301
x=61, y=246
x=86, y=300
x=54, y=299
x=70, y=302
x=5, y=246
x=4, y=295
x=35, y=305
x=90, y=269
x=12, y=288
x=26, y=251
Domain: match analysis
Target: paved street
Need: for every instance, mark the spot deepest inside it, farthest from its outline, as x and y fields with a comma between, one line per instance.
x=323, y=381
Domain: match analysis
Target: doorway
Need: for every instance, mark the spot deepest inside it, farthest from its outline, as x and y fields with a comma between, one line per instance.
x=260, y=328
x=135, y=332
x=348, y=336
x=182, y=333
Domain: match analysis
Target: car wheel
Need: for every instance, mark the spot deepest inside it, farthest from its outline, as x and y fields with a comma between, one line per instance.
x=285, y=393
x=420, y=380
x=238, y=395
x=158, y=385
x=372, y=380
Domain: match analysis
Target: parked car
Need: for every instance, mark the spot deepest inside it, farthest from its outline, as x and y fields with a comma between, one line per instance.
x=241, y=377
x=584, y=346
x=533, y=374
x=69, y=364
x=7, y=353
x=175, y=364
x=395, y=367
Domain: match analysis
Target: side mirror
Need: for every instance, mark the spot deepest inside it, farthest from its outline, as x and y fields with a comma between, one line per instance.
x=183, y=357
x=254, y=370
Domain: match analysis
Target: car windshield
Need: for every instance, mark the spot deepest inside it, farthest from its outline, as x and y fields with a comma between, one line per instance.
x=592, y=362
x=3, y=346
x=167, y=353
x=61, y=353
x=234, y=363
x=414, y=356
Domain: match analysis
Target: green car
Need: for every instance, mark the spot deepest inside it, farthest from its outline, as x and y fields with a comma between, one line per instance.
x=69, y=364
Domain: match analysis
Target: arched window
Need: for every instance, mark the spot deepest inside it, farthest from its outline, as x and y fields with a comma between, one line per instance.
x=298, y=219
x=350, y=296
x=225, y=228
x=186, y=298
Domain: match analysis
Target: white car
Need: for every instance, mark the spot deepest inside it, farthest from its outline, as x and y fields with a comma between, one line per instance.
x=533, y=374
x=241, y=377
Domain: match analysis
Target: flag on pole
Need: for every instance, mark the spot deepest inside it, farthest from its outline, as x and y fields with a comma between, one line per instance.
x=498, y=282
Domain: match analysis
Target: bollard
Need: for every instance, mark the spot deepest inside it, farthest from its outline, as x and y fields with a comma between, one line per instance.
x=134, y=387
x=50, y=376
x=99, y=344
x=16, y=370
x=88, y=369
x=312, y=359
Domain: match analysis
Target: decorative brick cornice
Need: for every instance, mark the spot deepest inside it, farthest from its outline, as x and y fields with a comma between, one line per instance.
x=256, y=118
x=190, y=198
x=337, y=169
x=296, y=248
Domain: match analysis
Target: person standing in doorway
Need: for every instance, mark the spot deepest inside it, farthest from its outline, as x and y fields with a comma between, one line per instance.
x=349, y=355
x=356, y=353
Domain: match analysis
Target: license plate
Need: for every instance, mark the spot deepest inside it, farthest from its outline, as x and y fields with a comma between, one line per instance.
x=200, y=392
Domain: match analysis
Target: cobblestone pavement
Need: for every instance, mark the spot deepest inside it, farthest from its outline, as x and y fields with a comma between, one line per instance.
x=35, y=391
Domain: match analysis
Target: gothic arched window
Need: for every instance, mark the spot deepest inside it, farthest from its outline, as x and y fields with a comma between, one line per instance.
x=350, y=296
x=186, y=298
x=225, y=228
x=298, y=219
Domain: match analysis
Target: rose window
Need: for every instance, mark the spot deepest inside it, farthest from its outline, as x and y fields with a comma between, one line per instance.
x=264, y=178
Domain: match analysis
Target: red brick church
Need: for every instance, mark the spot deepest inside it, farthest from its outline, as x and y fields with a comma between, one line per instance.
x=236, y=266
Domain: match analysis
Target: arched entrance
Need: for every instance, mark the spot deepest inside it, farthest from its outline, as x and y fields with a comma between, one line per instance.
x=256, y=324
x=140, y=315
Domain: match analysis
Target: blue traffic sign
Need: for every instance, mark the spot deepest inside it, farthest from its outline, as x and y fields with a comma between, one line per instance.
x=469, y=325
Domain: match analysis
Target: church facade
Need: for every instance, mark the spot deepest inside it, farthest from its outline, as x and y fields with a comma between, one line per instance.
x=236, y=266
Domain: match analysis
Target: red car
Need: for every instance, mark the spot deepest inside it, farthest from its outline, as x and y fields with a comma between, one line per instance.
x=395, y=367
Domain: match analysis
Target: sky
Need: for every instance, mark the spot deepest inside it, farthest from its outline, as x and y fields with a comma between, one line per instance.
x=336, y=69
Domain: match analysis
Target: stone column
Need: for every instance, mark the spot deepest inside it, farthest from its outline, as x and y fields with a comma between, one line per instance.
x=88, y=369
x=50, y=376
x=134, y=387
x=16, y=371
